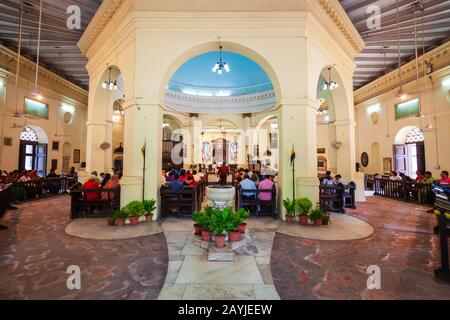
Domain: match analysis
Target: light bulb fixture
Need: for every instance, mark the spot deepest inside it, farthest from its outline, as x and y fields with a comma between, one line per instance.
x=220, y=65
x=274, y=125
x=110, y=85
x=330, y=85
x=400, y=93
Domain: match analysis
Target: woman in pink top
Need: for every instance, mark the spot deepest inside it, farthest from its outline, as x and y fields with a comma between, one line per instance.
x=266, y=184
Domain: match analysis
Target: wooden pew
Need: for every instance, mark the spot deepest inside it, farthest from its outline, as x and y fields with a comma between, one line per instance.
x=182, y=202
x=254, y=204
x=80, y=206
x=5, y=201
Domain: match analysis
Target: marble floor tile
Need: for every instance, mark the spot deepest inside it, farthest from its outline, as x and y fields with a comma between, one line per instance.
x=243, y=270
x=179, y=237
x=219, y=292
x=266, y=292
x=172, y=292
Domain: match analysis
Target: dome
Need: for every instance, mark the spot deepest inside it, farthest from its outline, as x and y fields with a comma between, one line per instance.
x=195, y=77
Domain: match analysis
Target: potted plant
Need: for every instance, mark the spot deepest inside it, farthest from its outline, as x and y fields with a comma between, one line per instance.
x=119, y=217
x=111, y=219
x=289, y=205
x=220, y=220
x=198, y=218
x=243, y=214
x=233, y=226
x=149, y=207
x=326, y=219
x=134, y=210
x=303, y=206
x=317, y=216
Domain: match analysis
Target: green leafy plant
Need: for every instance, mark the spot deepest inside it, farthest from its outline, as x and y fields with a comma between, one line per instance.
x=149, y=206
x=134, y=209
x=221, y=221
x=119, y=214
x=289, y=205
x=317, y=214
x=243, y=214
x=202, y=219
x=303, y=206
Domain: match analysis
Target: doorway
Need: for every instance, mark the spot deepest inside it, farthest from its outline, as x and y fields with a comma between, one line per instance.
x=220, y=150
x=410, y=155
x=32, y=154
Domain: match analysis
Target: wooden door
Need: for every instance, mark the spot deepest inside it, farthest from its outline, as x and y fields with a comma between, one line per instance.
x=401, y=158
x=421, y=156
x=41, y=159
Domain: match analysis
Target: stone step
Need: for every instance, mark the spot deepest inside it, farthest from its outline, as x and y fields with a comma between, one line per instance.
x=220, y=254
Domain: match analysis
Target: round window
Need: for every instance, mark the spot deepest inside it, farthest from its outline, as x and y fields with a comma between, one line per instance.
x=67, y=117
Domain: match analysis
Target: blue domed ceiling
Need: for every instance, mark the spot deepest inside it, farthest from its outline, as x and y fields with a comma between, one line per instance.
x=196, y=78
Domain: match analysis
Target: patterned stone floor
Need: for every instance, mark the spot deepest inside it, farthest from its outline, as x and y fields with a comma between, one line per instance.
x=35, y=254
x=403, y=246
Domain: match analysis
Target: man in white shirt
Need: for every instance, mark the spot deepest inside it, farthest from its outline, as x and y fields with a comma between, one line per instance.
x=341, y=180
x=394, y=176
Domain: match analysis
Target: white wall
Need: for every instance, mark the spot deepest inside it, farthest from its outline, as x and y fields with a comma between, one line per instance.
x=384, y=132
x=75, y=131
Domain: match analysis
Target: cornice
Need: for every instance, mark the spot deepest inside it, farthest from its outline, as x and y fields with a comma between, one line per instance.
x=48, y=79
x=212, y=105
x=331, y=8
x=339, y=17
x=101, y=18
x=438, y=57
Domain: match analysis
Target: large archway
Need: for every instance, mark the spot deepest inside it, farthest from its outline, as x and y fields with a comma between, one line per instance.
x=409, y=151
x=33, y=150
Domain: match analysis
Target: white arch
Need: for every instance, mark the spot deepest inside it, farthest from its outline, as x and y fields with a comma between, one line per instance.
x=41, y=134
x=227, y=46
x=400, y=137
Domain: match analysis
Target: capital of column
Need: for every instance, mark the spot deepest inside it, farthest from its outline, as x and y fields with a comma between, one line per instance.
x=141, y=102
x=346, y=122
x=92, y=123
x=304, y=102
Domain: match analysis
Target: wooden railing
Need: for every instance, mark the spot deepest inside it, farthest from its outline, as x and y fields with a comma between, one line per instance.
x=336, y=198
x=182, y=202
x=416, y=192
x=41, y=188
x=106, y=201
x=5, y=202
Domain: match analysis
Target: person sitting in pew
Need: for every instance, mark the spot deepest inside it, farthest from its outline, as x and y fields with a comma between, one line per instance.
x=91, y=184
x=52, y=174
x=428, y=178
x=394, y=176
x=404, y=177
x=419, y=176
x=189, y=182
x=340, y=180
x=110, y=184
x=248, y=184
x=266, y=184
x=444, y=178
x=176, y=184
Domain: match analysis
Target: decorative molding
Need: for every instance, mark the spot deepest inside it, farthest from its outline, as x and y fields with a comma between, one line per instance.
x=438, y=57
x=48, y=79
x=339, y=17
x=101, y=18
x=217, y=105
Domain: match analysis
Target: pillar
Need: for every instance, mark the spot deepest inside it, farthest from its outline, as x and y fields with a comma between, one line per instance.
x=346, y=161
x=143, y=125
x=95, y=156
x=297, y=125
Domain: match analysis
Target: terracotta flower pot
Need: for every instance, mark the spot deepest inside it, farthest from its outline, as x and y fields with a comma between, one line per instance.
x=325, y=221
x=318, y=222
x=234, y=235
x=197, y=230
x=134, y=221
x=206, y=235
x=304, y=220
x=149, y=218
x=220, y=241
x=242, y=227
x=119, y=222
x=110, y=221
x=289, y=219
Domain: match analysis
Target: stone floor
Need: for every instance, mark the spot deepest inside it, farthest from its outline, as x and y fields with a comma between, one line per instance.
x=192, y=277
x=36, y=252
x=403, y=246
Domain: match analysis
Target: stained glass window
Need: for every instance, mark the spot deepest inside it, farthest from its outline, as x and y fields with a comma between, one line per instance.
x=206, y=151
x=233, y=151
x=28, y=135
x=415, y=135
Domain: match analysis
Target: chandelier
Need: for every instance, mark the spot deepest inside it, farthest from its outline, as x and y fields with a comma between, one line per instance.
x=330, y=85
x=111, y=85
x=221, y=66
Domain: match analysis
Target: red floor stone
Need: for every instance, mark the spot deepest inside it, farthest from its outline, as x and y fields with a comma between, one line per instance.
x=403, y=246
x=35, y=253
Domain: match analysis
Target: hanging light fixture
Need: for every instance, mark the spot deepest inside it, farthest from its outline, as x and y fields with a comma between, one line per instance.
x=220, y=65
x=400, y=93
x=110, y=85
x=330, y=85
x=35, y=93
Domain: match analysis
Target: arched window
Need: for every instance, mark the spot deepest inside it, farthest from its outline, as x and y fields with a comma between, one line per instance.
x=206, y=151
x=415, y=135
x=28, y=135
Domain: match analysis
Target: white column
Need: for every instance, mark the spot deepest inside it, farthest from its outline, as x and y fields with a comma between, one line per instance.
x=109, y=152
x=346, y=161
x=143, y=124
x=95, y=156
x=297, y=125
x=197, y=140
